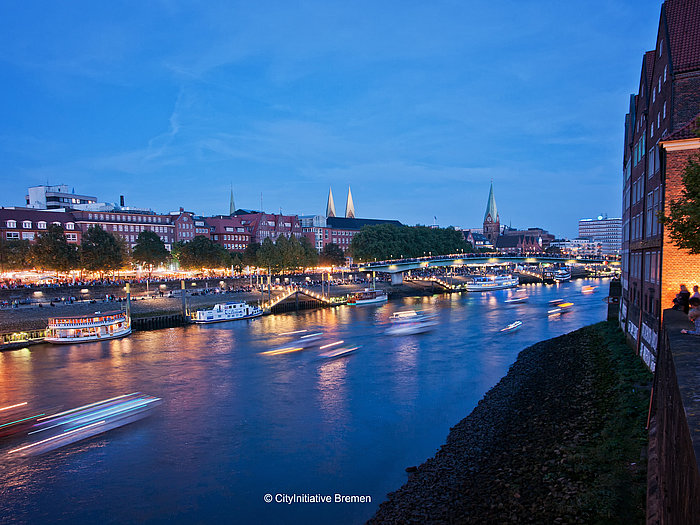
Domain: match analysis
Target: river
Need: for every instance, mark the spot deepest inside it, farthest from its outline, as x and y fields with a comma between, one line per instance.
x=235, y=425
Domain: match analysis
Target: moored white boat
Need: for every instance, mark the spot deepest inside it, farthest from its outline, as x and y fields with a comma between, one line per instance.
x=86, y=328
x=367, y=296
x=227, y=312
x=562, y=275
x=492, y=282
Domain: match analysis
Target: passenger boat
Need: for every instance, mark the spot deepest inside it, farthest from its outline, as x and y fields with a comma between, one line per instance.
x=562, y=275
x=512, y=326
x=227, y=312
x=411, y=322
x=367, y=296
x=86, y=328
x=492, y=282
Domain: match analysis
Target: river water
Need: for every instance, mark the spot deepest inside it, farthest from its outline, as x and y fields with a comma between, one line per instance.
x=235, y=425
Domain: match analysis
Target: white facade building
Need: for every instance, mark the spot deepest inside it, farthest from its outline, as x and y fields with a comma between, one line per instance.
x=607, y=231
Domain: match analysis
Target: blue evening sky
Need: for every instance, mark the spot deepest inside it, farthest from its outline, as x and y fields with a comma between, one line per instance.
x=416, y=105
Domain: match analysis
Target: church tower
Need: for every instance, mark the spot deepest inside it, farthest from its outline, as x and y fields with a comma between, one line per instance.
x=492, y=223
x=349, y=206
x=330, y=206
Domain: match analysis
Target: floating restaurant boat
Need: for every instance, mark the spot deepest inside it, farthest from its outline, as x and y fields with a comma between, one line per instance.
x=80, y=423
x=227, y=312
x=411, y=322
x=562, y=275
x=492, y=282
x=512, y=327
x=367, y=296
x=85, y=328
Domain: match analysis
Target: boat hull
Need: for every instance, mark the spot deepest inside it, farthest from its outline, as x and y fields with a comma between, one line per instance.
x=212, y=321
x=361, y=302
x=86, y=339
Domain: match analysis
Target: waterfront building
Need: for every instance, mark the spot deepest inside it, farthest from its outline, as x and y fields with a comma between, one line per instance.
x=28, y=223
x=54, y=197
x=581, y=247
x=659, y=138
x=518, y=244
x=539, y=235
x=492, y=222
x=477, y=239
x=229, y=232
x=263, y=226
x=128, y=223
x=607, y=231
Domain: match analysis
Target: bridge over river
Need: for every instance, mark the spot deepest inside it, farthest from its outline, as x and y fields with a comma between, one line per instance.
x=397, y=267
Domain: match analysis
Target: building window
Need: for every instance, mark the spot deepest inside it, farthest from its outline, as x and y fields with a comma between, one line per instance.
x=71, y=237
x=665, y=70
x=41, y=225
x=26, y=224
x=12, y=235
x=11, y=224
x=29, y=236
x=70, y=226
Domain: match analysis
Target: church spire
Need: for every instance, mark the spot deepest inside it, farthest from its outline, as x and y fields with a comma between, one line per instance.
x=231, y=204
x=492, y=222
x=349, y=206
x=330, y=206
x=491, y=207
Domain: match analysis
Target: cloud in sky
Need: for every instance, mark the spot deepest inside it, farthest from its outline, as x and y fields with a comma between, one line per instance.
x=416, y=106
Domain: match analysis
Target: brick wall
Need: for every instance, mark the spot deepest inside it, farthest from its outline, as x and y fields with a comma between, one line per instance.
x=686, y=103
x=678, y=266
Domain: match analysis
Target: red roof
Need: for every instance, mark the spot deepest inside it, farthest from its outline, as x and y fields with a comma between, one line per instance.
x=683, y=18
x=689, y=131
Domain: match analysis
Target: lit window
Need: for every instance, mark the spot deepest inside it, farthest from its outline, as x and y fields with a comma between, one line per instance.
x=11, y=224
x=29, y=236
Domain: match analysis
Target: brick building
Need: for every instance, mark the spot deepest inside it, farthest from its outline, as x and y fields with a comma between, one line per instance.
x=229, y=232
x=658, y=141
x=27, y=224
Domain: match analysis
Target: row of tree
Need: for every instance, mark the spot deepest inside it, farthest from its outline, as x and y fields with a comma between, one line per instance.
x=389, y=241
x=101, y=251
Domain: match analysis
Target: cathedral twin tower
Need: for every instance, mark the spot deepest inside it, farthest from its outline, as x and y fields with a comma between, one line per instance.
x=349, y=205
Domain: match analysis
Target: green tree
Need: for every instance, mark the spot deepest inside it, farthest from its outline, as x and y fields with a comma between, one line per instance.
x=310, y=257
x=683, y=219
x=237, y=262
x=52, y=251
x=332, y=255
x=14, y=254
x=100, y=251
x=150, y=250
x=266, y=254
x=201, y=252
x=385, y=241
x=250, y=254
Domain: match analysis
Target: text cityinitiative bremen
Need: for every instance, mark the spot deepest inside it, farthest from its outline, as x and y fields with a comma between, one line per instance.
x=320, y=498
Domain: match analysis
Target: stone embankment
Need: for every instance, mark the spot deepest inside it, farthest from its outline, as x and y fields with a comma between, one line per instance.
x=560, y=439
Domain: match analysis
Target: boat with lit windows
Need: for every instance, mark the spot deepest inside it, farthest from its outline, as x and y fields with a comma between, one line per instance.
x=562, y=275
x=411, y=322
x=512, y=327
x=230, y=311
x=492, y=282
x=367, y=296
x=86, y=328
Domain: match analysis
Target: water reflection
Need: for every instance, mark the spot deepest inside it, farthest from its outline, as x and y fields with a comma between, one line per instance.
x=234, y=424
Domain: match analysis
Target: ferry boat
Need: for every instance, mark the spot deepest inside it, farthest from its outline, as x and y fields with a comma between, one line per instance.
x=411, y=322
x=492, y=282
x=230, y=311
x=85, y=328
x=562, y=275
x=367, y=297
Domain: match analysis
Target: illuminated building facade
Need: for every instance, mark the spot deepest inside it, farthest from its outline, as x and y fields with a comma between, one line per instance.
x=659, y=138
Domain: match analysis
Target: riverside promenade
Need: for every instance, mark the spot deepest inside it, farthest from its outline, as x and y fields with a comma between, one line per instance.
x=560, y=439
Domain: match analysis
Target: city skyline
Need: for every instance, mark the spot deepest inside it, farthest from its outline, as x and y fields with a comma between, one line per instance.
x=415, y=108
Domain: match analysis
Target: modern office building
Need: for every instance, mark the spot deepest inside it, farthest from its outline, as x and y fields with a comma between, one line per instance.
x=659, y=138
x=54, y=197
x=606, y=231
